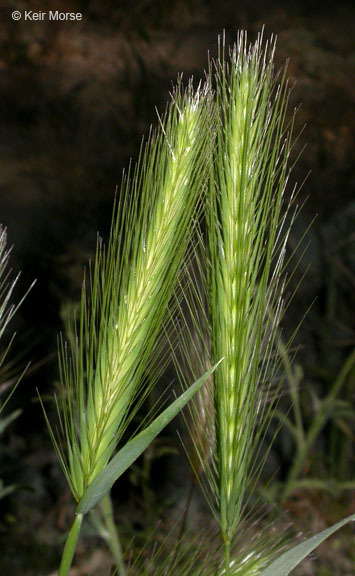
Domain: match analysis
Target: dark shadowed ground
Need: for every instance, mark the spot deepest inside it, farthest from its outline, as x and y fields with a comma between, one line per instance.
x=75, y=100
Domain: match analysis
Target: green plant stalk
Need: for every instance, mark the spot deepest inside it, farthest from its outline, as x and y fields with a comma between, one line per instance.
x=341, y=436
x=317, y=425
x=333, y=487
x=70, y=546
x=131, y=451
x=113, y=538
x=294, y=386
x=227, y=545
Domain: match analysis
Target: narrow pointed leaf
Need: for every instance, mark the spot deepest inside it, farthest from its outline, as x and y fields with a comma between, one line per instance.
x=134, y=448
x=290, y=559
x=4, y=422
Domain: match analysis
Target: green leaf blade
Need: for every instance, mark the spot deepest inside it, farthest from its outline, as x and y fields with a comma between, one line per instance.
x=290, y=559
x=134, y=448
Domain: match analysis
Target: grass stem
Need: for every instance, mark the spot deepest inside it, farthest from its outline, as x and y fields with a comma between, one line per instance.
x=186, y=510
x=227, y=556
x=113, y=539
x=294, y=393
x=317, y=425
x=70, y=545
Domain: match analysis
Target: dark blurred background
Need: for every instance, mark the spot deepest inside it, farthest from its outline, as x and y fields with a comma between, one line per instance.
x=75, y=100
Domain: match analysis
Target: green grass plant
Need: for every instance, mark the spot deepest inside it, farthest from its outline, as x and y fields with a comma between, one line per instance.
x=7, y=311
x=244, y=261
x=9, y=374
x=241, y=268
x=328, y=408
x=225, y=160
x=245, y=292
x=125, y=299
x=130, y=286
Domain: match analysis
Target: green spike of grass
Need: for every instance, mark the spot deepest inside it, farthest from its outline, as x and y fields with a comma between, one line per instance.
x=130, y=285
x=128, y=288
x=246, y=194
x=242, y=271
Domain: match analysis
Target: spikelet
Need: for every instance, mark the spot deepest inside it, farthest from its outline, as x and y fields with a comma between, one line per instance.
x=130, y=286
x=245, y=294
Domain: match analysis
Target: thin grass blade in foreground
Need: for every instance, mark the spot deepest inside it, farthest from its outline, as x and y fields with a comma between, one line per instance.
x=284, y=564
x=129, y=288
x=104, y=481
